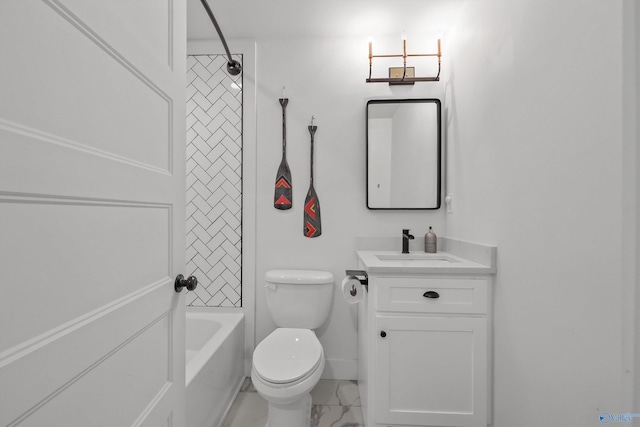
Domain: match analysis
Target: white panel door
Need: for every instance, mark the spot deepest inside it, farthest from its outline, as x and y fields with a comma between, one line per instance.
x=92, y=141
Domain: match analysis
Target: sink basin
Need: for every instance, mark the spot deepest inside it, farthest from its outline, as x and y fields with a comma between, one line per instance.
x=414, y=257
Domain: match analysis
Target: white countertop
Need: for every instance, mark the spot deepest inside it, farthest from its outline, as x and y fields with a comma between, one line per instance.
x=416, y=262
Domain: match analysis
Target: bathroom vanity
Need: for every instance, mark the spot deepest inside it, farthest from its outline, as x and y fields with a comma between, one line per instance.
x=424, y=331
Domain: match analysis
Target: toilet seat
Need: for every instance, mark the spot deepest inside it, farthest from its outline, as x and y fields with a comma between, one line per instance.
x=287, y=355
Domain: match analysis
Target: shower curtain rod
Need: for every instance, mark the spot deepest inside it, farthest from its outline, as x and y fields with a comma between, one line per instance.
x=233, y=67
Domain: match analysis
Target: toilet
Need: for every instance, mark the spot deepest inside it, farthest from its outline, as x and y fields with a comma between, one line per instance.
x=288, y=363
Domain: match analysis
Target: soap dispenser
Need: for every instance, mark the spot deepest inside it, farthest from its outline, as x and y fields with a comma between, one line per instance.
x=430, y=242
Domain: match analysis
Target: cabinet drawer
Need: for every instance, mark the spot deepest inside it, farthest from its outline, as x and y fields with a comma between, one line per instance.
x=451, y=295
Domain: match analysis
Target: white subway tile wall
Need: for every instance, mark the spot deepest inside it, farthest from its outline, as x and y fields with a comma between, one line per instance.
x=214, y=181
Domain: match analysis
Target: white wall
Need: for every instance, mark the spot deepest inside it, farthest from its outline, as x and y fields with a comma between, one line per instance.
x=324, y=78
x=631, y=219
x=534, y=113
x=631, y=35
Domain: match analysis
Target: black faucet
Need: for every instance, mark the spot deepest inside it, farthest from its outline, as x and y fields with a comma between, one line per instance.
x=405, y=240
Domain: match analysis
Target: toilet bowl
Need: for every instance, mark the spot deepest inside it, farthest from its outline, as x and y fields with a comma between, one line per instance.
x=289, y=362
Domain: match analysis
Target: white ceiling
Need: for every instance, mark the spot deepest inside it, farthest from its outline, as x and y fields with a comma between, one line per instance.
x=275, y=19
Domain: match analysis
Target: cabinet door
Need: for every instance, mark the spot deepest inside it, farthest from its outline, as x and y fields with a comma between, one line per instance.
x=431, y=371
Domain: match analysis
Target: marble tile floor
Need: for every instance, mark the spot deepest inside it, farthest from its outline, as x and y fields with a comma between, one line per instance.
x=336, y=403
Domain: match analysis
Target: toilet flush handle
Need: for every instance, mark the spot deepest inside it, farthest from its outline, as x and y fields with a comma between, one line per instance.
x=271, y=286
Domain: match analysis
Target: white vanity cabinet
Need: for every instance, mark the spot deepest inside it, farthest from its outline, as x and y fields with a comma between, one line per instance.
x=424, y=340
x=430, y=352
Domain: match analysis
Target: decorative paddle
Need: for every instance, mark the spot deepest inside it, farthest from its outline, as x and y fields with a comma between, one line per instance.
x=312, y=225
x=283, y=198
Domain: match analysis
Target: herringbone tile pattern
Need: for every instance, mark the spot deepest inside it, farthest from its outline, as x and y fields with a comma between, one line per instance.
x=214, y=181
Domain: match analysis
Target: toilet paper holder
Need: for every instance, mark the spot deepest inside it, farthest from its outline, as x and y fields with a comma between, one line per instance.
x=361, y=275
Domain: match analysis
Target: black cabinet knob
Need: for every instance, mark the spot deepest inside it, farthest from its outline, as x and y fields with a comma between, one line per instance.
x=190, y=283
x=383, y=334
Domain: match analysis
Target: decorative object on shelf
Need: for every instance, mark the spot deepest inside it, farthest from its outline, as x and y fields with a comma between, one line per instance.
x=402, y=75
x=312, y=225
x=282, y=198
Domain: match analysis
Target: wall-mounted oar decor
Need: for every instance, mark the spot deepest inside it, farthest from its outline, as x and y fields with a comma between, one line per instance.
x=283, y=195
x=312, y=225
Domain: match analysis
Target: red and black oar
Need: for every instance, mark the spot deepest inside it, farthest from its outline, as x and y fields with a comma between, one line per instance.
x=283, y=195
x=312, y=225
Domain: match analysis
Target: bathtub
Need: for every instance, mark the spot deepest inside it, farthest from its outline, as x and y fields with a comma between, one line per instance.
x=215, y=363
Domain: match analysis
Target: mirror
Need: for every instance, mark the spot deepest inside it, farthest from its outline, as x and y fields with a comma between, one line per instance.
x=403, y=154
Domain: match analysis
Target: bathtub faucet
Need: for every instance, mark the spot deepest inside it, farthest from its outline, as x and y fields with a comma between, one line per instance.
x=405, y=240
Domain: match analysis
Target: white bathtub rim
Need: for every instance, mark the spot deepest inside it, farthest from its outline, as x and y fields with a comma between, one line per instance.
x=214, y=310
x=229, y=320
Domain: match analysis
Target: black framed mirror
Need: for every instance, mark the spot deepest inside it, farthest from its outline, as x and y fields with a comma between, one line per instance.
x=404, y=150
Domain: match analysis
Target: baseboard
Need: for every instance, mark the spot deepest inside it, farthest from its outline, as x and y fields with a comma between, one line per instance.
x=340, y=369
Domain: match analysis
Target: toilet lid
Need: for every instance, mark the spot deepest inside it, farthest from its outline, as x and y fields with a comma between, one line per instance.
x=287, y=355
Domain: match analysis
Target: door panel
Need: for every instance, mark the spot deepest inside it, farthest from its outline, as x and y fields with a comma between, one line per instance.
x=147, y=20
x=92, y=141
x=92, y=232
x=432, y=371
x=81, y=89
x=127, y=382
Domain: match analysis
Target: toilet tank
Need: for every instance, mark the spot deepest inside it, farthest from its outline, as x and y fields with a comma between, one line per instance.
x=299, y=298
